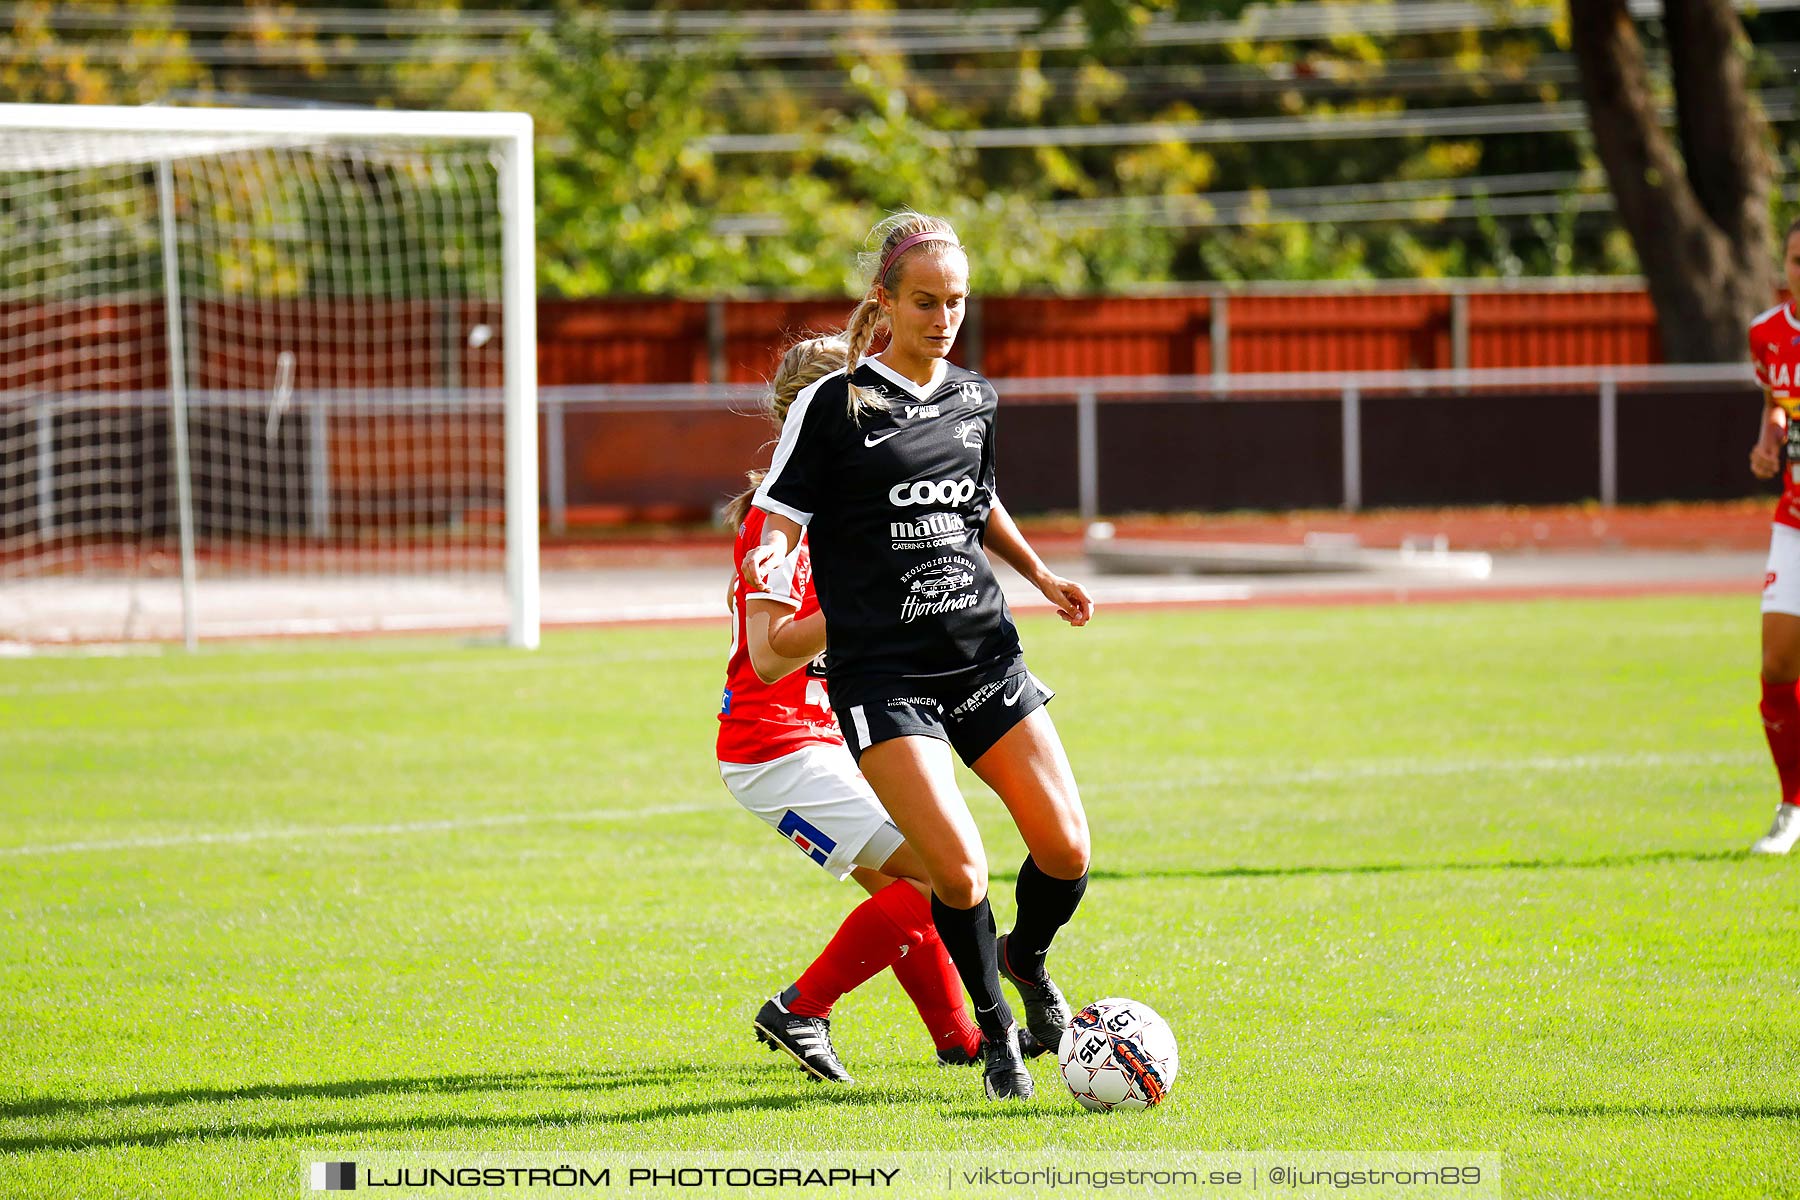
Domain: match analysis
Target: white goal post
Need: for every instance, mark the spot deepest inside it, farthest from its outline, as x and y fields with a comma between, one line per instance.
x=266, y=371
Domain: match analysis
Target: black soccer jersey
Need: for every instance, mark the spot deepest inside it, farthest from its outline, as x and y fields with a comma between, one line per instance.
x=896, y=506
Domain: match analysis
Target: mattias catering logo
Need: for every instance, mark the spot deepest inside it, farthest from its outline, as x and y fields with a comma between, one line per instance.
x=939, y=586
x=928, y=531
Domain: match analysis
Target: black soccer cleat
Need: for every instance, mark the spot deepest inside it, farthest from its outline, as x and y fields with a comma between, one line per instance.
x=807, y=1040
x=1003, y=1071
x=956, y=1056
x=1047, y=1014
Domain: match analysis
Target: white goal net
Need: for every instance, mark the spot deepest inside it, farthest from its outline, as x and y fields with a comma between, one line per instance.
x=265, y=372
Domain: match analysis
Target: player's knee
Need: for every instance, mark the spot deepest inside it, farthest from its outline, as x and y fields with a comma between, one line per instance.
x=963, y=885
x=1066, y=857
x=1780, y=648
x=1067, y=860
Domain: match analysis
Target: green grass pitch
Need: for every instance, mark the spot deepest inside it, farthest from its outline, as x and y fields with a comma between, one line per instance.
x=1400, y=877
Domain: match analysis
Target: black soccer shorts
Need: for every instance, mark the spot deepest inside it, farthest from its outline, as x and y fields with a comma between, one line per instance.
x=971, y=711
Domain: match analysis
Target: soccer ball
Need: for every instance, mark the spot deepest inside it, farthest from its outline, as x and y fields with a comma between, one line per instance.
x=1118, y=1054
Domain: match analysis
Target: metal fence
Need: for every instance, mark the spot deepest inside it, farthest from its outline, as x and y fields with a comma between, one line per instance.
x=1203, y=442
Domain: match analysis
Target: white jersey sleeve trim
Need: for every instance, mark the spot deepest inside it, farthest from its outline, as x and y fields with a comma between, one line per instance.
x=802, y=519
x=784, y=450
x=787, y=600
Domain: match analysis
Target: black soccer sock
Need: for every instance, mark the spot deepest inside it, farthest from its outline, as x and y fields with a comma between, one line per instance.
x=1045, y=906
x=968, y=934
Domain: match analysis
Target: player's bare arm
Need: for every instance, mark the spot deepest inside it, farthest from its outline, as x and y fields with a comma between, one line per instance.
x=780, y=535
x=1765, y=456
x=1009, y=545
x=779, y=643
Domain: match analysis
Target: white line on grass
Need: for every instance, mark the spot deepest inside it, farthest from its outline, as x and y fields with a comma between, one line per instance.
x=399, y=664
x=303, y=832
x=1347, y=772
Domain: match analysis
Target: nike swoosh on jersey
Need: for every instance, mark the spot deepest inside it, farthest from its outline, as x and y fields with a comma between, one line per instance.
x=875, y=439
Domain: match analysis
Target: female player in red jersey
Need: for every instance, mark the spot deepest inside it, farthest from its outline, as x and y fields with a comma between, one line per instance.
x=889, y=466
x=1775, y=348
x=782, y=756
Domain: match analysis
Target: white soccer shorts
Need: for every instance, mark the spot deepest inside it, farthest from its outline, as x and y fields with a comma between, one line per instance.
x=1781, y=581
x=818, y=800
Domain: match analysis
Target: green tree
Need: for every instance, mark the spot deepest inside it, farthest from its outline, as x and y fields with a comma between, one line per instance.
x=47, y=67
x=1349, y=72
x=621, y=190
x=1697, y=206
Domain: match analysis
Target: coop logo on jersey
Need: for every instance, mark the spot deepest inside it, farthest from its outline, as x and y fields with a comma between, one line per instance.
x=939, y=586
x=969, y=434
x=804, y=834
x=931, y=491
x=928, y=531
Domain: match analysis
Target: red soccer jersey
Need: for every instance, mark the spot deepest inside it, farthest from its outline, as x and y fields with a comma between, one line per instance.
x=759, y=722
x=1775, y=348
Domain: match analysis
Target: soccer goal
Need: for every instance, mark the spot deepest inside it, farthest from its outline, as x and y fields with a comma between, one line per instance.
x=265, y=372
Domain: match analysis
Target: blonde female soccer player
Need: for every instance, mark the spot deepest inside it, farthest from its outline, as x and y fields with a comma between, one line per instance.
x=783, y=758
x=890, y=469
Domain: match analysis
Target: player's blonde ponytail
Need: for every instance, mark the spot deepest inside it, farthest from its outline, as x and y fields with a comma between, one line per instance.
x=931, y=236
x=806, y=362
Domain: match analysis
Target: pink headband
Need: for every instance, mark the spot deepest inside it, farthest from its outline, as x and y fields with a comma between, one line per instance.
x=930, y=235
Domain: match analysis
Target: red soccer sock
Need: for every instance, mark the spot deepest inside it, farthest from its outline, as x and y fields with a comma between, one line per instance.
x=1781, y=725
x=930, y=979
x=872, y=938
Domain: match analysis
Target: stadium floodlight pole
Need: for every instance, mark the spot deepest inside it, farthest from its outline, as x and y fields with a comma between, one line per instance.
x=178, y=400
